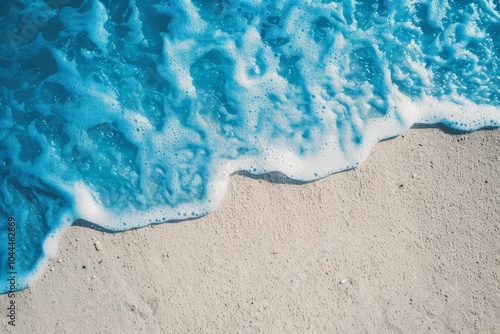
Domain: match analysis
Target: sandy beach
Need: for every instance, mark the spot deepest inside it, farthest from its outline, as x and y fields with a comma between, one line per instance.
x=409, y=242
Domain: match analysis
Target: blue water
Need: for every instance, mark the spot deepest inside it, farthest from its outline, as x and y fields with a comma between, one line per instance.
x=127, y=113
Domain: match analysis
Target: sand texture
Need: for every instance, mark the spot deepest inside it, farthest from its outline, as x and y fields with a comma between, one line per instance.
x=409, y=242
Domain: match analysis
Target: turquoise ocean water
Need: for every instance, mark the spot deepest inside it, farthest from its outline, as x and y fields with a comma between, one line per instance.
x=132, y=112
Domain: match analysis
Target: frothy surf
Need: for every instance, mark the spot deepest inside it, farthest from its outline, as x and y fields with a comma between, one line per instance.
x=127, y=113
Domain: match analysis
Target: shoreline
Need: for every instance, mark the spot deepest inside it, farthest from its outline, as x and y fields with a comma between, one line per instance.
x=408, y=241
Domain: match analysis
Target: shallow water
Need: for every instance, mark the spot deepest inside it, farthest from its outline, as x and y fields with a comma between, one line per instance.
x=127, y=113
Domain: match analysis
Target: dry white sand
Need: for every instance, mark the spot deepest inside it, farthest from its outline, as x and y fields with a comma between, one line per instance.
x=407, y=243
